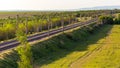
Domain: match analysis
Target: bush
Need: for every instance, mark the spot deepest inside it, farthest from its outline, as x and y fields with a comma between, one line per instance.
x=106, y=19
x=117, y=19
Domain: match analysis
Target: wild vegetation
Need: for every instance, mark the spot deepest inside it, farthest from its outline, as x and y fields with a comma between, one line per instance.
x=50, y=49
x=79, y=48
x=117, y=19
x=106, y=56
x=59, y=51
x=34, y=22
x=24, y=51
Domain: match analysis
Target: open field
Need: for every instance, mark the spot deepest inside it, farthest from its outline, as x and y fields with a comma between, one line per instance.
x=107, y=56
x=12, y=14
x=79, y=50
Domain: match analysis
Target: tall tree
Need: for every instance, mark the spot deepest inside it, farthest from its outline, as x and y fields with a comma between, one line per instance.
x=24, y=51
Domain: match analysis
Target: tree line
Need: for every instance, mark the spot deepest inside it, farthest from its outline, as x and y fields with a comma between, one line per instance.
x=33, y=24
x=45, y=21
x=109, y=19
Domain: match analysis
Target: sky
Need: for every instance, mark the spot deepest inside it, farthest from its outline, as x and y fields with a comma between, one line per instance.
x=54, y=4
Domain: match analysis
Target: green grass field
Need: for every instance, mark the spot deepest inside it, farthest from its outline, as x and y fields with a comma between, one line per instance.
x=6, y=14
x=107, y=56
x=83, y=48
x=80, y=50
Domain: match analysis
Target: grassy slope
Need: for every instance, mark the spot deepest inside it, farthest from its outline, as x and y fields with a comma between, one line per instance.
x=108, y=56
x=62, y=50
x=64, y=58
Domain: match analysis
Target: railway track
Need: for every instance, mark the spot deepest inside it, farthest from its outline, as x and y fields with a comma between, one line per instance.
x=13, y=43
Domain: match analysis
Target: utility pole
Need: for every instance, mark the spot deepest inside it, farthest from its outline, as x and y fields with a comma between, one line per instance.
x=72, y=20
x=62, y=22
x=51, y=25
x=56, y=24
x=37, y=23
x=42, y=19
x=75, y=18
x=69, y=19
x=48, y=21
x=9, y=18
x=26, y=26
x=17, y=22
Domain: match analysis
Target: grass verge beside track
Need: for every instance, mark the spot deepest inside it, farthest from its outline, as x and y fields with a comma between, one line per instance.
x=62, y=50
x=108, y=56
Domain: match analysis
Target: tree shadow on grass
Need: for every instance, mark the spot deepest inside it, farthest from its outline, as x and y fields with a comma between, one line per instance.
x=50, y=51
x=58, y=47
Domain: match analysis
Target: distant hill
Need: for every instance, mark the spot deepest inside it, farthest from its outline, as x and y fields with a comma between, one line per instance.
x=101, y=7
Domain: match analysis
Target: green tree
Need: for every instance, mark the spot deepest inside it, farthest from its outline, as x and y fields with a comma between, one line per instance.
x=24, y=51
x=118, y=19
x=106, y=20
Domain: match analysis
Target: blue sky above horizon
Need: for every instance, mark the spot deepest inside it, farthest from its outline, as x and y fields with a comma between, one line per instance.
x=54, y=4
